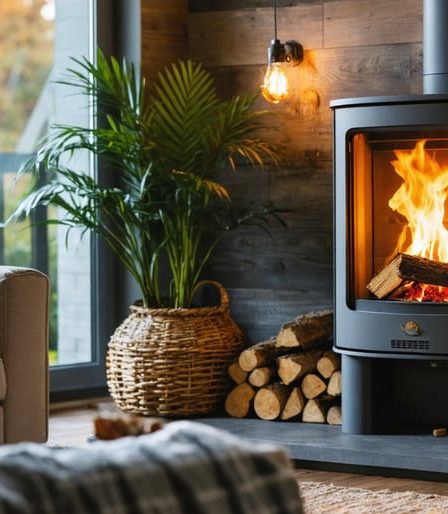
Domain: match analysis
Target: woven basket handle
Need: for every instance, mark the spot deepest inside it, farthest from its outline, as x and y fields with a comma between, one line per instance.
x=224, y=297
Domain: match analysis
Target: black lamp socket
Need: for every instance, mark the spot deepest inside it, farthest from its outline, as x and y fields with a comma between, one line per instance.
x=290, y=52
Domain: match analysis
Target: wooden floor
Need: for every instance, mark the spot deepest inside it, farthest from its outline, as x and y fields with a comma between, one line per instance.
x=72, y=427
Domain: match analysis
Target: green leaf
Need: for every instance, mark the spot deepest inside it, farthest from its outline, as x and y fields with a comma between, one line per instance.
x=161, y=152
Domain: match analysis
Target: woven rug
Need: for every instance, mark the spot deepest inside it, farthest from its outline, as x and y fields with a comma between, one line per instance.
x=319, y=498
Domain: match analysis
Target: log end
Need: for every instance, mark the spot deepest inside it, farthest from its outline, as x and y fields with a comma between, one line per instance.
x=239, y=401
x=334, y=415
x=313, y=386
x=286, y=339
x=335, y=384
x=313, y=412
x=260, y=377
x=267, y=404
x=248, y=360
x=288, y=370
x=236, y=373
x=294, y=405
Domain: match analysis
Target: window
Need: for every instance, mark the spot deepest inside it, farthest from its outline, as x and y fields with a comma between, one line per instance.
x=37, y=39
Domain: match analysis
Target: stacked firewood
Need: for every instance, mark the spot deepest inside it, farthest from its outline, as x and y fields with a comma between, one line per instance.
x=292, y=376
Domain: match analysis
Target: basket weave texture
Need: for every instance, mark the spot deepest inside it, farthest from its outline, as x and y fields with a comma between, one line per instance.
x=173, y=362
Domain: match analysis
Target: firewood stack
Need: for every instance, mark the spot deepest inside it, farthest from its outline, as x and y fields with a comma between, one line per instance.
x=292, y=376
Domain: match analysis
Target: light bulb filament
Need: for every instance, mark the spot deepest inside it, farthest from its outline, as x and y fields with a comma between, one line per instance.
x=275, y=87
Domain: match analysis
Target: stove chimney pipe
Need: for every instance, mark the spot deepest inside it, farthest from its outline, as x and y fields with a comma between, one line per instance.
x=435, y=46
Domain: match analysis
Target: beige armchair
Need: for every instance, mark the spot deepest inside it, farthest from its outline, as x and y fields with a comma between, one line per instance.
x=24, y=295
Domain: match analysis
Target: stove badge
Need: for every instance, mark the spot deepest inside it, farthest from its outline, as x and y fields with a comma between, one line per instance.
x=411, y=328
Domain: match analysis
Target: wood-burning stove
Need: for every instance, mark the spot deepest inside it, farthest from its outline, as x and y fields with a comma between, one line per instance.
x=369, y=135
x=383, y=147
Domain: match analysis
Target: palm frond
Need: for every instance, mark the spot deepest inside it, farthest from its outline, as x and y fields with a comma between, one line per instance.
x=165, y=148
x=185, y=101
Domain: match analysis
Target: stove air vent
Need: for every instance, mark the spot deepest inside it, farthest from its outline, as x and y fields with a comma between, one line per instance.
x=409, y=344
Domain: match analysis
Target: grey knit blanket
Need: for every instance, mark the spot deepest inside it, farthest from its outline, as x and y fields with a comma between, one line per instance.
x=185, y=468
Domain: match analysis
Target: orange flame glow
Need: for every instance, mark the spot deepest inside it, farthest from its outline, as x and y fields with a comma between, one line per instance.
x=421, y=200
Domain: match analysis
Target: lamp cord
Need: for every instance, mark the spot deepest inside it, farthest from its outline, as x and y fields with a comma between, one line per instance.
x=275, y=18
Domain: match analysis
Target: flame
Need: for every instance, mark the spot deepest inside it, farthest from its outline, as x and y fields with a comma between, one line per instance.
x=421, y=200
x=275, y=87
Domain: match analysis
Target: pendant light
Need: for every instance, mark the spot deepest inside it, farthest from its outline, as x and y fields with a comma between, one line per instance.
x=281, y=56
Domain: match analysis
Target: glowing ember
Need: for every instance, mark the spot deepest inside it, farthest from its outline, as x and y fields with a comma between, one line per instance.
x=418, y=292
x=421, y=200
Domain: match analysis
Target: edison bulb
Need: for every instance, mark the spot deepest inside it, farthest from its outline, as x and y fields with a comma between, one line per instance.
x=275, y=87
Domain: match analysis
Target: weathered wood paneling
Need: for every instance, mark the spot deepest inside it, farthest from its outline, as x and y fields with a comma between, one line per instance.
x=291, y=259
x=352, y=48
x=164, y=25
x=295, y=260
x=336, y=72
x=225, y=5
x=306, y=131
x=365, y=71
x=262, y=311
x=242, y=36
x=363, y=22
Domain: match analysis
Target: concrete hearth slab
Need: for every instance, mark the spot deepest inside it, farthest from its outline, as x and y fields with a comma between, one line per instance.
x=423, y=456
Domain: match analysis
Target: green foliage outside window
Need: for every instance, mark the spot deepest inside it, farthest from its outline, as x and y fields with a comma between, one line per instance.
x=26, y=57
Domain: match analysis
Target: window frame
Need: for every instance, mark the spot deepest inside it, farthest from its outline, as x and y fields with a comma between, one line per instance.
x=80, y=380
x=115, y=28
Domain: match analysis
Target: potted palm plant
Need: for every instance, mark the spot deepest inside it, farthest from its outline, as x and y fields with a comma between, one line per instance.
x=166, y=146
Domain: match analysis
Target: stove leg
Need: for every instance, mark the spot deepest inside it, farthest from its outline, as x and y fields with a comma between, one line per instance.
x=356, y=395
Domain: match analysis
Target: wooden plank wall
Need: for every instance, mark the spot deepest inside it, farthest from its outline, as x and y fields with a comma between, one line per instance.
x=352, y=48
x=163, y=34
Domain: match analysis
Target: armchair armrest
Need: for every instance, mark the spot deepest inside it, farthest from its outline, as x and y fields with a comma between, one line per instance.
x=24, y=296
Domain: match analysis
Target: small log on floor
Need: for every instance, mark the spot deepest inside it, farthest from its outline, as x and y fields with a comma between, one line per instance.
x=259, y=355
x=307, y=330
x=236, y=373
x=404, y=267
x=328, y=364
x=292, y=367
x=294, y=404
x=270, y=401
x=312, y=386
x=260, y=377
x=239, y=401
x=334, y=387
x=334, y=415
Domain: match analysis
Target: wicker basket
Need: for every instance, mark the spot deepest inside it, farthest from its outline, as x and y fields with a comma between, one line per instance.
x=172, y=362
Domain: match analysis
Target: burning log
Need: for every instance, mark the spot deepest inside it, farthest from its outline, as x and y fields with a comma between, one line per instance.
x=403, y=268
